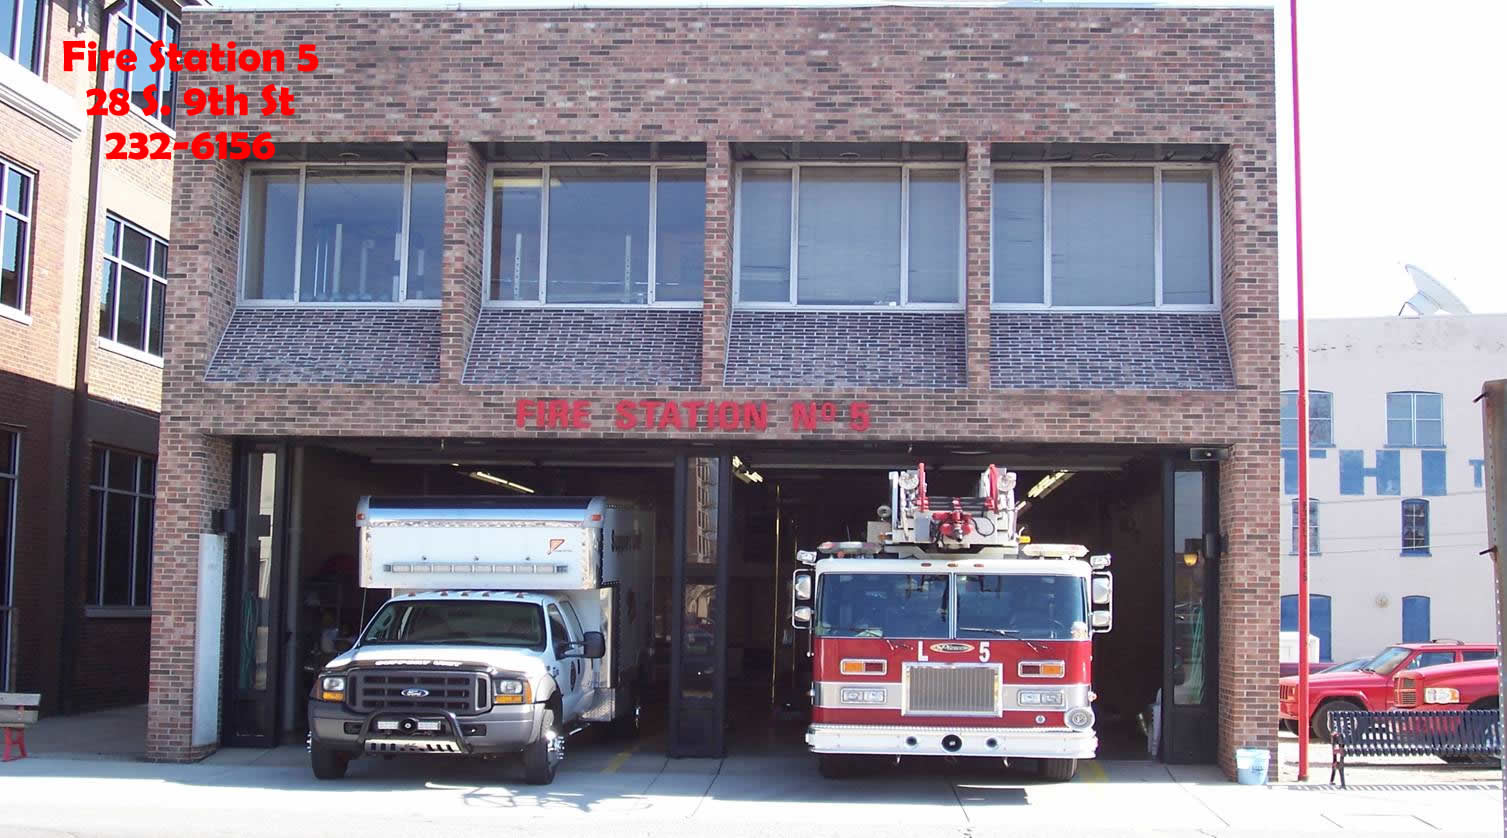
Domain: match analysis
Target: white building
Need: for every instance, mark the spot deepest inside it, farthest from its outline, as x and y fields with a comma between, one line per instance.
x=1395, y=479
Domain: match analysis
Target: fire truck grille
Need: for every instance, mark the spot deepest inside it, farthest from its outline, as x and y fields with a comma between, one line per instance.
x=1407, y=693
x=952, y=689
x=462, y=693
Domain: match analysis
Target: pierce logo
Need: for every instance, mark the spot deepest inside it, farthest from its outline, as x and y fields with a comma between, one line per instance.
x=952, y=647
x=555, y=544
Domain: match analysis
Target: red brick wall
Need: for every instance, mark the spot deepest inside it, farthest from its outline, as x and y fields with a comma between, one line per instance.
x=963, y=75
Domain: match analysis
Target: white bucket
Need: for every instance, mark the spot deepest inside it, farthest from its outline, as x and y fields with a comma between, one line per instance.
x=1250, y=766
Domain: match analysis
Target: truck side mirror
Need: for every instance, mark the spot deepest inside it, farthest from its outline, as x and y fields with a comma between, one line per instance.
x=593, y=645
x=802, y=583
x=1101, y=595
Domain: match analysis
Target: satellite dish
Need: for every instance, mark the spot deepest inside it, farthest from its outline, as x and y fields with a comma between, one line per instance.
x=1432, y=296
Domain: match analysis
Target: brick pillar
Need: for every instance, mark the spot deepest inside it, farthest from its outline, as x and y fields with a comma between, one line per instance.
x=976, y=292
x=718, y=274
x=463, y=260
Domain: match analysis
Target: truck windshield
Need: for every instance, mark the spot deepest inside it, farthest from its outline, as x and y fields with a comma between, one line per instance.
x=883, y=605
x=459, y=624
x=1034, y=607
x=1389, y=659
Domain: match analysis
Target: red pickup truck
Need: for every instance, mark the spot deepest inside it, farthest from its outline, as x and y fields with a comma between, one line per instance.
x=1370, y=687
x=1452, y=686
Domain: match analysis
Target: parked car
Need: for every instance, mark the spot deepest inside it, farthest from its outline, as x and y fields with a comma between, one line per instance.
x=1348, y=666
x=1370, y=686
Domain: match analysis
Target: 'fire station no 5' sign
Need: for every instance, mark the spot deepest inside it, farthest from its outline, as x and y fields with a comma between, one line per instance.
x=690, y=415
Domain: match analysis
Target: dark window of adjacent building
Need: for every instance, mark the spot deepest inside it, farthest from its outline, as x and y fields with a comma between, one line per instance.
x=1075, y=235
x=1415, y=419
x=10, y=457
x=1313, y=528
x=1415, y=527
x=133, y=287
x=344, y=234
x=122, y=498
x=1320, y=418
x=15, y=234
x=849, y=235
x=139, y=24
x=23, y=30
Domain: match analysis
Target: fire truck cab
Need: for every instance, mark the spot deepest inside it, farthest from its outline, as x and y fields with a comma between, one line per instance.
x=949, y=634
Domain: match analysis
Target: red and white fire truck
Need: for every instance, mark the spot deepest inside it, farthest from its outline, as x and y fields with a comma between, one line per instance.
x=948, y=633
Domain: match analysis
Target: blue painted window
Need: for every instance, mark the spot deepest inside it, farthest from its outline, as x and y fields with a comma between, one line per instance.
x=1313, y=528
x=1388, y=472
x=1290, y=472
x=1415, y=419
x=1434, y=482
x=1320, y=418
x=1319, y=619
x=1415, y=619
x=1415, y=527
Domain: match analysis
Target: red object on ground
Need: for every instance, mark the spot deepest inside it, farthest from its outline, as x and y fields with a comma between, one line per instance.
x=14, y=736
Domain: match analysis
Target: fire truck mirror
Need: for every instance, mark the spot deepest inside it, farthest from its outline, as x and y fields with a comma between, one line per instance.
x=800, y=585
x=1102, y=621
x=801, y=617
x=1103, y=589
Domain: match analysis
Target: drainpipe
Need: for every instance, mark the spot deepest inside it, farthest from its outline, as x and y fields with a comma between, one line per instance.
x=78, y=444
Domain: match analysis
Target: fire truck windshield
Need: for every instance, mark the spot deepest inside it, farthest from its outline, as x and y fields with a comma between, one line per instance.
x=883, y=605
x=1040, y=606
x=1030, y=607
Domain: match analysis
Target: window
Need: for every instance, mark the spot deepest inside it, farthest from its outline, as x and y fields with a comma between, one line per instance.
x=849, y=235
x=22, y=32
x=1313, y=528
x=1428, y=658
x=1415, y=419
x=10, y=457
x=344, y=234
x=1104, y=236
x=133, y=288
x=1320, y=620
x=1415, y=622
x=560, y=635
x=122, y=499
x=451, y=623
x=1415, y=527
x=15, y=234
x=884, y=605
x=1482, y=655
x=138, y=24
x=583, y=235
x=1320, y=418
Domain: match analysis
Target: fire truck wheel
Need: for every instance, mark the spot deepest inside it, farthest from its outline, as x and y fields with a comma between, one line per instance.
x=328, y=763
x=836, y=766
x=1057, y=770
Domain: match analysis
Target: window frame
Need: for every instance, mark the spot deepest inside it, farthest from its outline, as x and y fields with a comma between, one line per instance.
x=44, y=9
x=99, y=495
x=23, y=296
x=1412, y=419
x=8, y=548
x=794, y=167
x=1311, y=419
x=128, y=15
x=1313, y=528
x=1216, y=267
x=303, y=177
x=153, y=279
x=651, y=276
x=1427, y=548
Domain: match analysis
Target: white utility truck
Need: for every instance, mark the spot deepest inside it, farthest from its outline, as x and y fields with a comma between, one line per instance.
x=514, y=621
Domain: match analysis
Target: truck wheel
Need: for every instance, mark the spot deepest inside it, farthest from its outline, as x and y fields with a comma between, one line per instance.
x=626, y=725
x=1322, y=731
x=1057, y=770
x=328, y=763
x=542, y=758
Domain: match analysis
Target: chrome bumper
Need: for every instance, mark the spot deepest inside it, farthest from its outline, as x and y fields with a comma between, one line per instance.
x=503, y=729
x=1056, y=743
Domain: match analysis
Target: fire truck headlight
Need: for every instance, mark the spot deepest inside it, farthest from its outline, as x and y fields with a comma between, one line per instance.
x=1040, y=698
x=1441, y=695
x=1080, y=718
x=852, y=695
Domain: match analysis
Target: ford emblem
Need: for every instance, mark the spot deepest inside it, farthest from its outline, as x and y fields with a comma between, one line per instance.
x=415, y=692
x=943, y=647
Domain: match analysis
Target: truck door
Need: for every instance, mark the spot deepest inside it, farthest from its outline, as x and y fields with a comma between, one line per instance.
x=571, y=672
x=593, y=674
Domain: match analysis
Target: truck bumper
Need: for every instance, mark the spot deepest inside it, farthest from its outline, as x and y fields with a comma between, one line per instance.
x=502, y=730
x=1056, y=743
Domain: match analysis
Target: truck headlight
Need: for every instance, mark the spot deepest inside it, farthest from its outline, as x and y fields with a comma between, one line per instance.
x=1040, y=698
x=332, y=688
x=510, y=691
x=860, y=695
x=1441, y=695
x=1080, y=718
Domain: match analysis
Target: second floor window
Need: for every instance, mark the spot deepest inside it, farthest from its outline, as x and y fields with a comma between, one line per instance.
x=846, y=235
x=138, y=24
x=15, y=235
x=344, y=234
x=133, y=288
x=122, y=500
x=22, y=31
x=1313, y=528
x=1320, y=418
x=1415, y=419
x=1415, y=527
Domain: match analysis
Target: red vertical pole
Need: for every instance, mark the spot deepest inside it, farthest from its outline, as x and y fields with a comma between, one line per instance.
x=1302, y=326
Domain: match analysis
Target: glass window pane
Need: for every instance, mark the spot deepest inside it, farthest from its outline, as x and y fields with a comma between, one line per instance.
x=1289, y=405
x=122, y=471
x=159, y=259
x=1019, y=225
x=143, y=551
x=1190, y=627
x=1187, y=237
x=352, y=229
x=136, y=248
x=29, y=52
x=764, y=236
x=130, y=322
x=167, y=98
x=598, y=235
x=1399, y=406
x=96, y=552
x=680, y=235
x=12, y=261
x=143, y=76
x=97, y=466
x=1320, y=432
x=516, y=208
x=148, y=16
x=1320, y=405
x=146, y=475
x=936, y=229
x=426, y=233
x=271, y=235
x=849, y=239
x=108, y=290
x=8, y=31
x=1429, y=405
x=1102, y=237
x=1430, y=432
x=1399, y=432
x=17, y=191
x=120, y=518
x=156, y=313
x=112, y=236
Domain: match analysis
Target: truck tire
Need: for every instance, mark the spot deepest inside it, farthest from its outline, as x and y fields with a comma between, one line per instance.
x=541, y=759
x=626, y=724
x=1057, y=770
x=1320, y=728
x=328, y=763
x=1491, y=703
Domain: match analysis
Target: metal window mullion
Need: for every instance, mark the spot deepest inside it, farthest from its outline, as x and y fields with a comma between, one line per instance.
x=795, y=233
x=303, y=177
x=652, y=272
x=1046, y=236
x=1156, y=234
x=904, y=236
x=544, y=182
x=120, y=268
x=403, y=232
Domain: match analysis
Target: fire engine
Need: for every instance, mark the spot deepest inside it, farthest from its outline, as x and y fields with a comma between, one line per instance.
x=949, y=633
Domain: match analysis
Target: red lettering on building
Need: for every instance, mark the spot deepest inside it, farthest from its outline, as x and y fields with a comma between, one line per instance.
x=691, y=415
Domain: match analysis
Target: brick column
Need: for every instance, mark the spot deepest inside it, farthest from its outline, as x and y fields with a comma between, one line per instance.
x=976, y=292
x=718, y=273
x=463, y=260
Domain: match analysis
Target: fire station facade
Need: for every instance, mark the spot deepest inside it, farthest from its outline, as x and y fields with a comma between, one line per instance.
x=865, y=232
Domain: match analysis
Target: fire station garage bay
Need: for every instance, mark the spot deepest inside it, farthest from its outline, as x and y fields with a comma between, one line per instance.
x=729, y=265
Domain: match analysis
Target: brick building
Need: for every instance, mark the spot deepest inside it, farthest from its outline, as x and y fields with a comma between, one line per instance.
x=82, y=296
x=611, y=250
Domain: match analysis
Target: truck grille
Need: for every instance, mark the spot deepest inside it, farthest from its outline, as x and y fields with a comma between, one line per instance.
x=1407, y=692
x=462, y=693
x=941, y=689
x=1288, y=693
